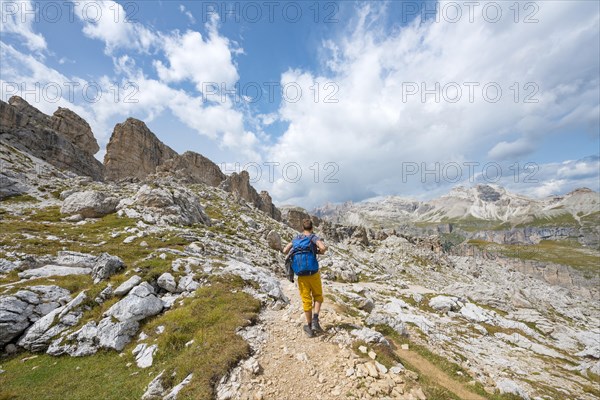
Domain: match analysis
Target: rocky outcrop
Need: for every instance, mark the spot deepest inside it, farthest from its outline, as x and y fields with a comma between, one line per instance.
x=191, y=167
x=26, y=306
x=28, y=129
x=266, y=205
x=76, y=129
x=134, y=151
x=239, y=185
x=165, y=205
x=89, y=204
x=39, y=335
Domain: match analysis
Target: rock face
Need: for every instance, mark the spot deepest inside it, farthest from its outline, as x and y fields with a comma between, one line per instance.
x=89, y=204
x=293, y=216
x=239, y=185
x=134, y=151
x=76, y=129
x=64, y=140
x=192, y=167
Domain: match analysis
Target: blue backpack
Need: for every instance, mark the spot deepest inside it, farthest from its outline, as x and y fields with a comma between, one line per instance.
x=304, y=255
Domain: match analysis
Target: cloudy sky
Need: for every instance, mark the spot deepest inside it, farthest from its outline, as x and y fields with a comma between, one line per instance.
x=330, y=101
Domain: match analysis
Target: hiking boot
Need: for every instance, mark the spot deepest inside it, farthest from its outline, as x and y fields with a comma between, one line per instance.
x=308, y=331
x=316, y=327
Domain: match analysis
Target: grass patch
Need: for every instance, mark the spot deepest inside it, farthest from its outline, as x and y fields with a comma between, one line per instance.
x=565, y=252
x=21, y=198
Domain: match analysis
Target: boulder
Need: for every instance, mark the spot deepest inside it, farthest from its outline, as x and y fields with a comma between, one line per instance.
x=274, y=240
x=192, y=167
x=445, y=304
x=167, y=282
x=369, y=336
x=14, y=318
x=140, y=303
x=134, y=151
x=7, y=266
x=187, y=284
x=89, y=204
x=106, y=266
x=126, y=286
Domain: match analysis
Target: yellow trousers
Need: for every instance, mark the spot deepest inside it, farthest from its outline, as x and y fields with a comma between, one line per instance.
x=310, y=290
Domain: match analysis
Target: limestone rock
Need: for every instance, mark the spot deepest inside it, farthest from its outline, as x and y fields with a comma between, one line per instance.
x=172, y=395
x=175, y=205
x=444, y=303
x=39, y=335
x=239, y=185
x=167, y=282
x=89, y=204
x=126, y=286
x=53, y=270
x=293, y=216
x=144, y=354
x=76, y=129
x=91, y=337
x=14, y=318
x=6, y=266
x=369, y=336
x=134, y=151
x=192, y=167
x=155, y=389
x=268, y=284
x=509, y=386
x=140, y=302
x=106, y=266
x=28, y=129
x=274, y=240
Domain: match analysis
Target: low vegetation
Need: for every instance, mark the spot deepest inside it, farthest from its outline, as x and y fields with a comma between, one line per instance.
x=199, y=337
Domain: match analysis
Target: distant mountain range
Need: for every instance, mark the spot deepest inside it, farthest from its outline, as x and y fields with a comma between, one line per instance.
x=478, y=208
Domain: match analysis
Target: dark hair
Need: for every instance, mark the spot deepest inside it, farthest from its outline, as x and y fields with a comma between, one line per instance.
x=307, y=224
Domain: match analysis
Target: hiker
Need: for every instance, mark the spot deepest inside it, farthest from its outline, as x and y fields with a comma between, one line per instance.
x=304, y=249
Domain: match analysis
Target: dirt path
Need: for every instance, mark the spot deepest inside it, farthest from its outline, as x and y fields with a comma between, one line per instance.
x=287, y=365
x=425, y=367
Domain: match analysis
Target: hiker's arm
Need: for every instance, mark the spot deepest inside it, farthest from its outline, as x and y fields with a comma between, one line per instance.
x=287, y=248
x=322, y=247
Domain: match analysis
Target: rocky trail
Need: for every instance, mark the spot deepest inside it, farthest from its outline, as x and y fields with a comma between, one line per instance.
x=289, y=365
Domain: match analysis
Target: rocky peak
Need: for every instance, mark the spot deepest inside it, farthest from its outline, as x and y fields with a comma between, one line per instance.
x=134, y=151
x=239, y=185
x=64, y=140
x=192, y=167
x=76, y=129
